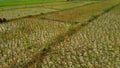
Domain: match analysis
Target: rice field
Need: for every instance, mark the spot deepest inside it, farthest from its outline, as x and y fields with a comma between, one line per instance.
x=77, y=34
x=26, y=34
x=23, y=11
x=93, y=46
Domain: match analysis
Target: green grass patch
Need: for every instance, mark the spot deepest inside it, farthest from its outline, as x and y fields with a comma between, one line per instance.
x=25, y=2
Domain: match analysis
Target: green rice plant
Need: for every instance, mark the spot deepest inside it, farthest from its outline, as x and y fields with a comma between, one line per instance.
x=71, y=29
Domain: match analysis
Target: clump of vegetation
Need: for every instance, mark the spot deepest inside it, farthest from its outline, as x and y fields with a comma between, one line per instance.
x=42, y=13
x=70, y=0
x=83, y=24
x=72, y=29
x=45, y=48
x=29, y=16
x=3, y=20
x=42, y=17
x=76, y=22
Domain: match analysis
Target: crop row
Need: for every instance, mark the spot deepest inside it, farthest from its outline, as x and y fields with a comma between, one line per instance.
x=20, y=39
x=97, y=45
